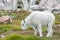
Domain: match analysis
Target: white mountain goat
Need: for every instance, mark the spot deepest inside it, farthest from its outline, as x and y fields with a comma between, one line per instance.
x=38, y=18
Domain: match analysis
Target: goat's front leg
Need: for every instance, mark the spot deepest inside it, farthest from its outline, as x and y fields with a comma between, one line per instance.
x=40, y=30
x=35, y=31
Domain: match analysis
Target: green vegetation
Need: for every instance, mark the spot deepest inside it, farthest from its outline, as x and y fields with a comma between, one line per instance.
x=25, y=37
x=6, y=28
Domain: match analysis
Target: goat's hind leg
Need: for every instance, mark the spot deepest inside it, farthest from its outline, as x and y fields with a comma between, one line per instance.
x=50, y=30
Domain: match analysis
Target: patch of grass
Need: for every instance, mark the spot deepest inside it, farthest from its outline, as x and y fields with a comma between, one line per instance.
x=57, y=17
x=6, y=28
x=0, y=39
x=57, y=22
x=56, y=36
x=25, y=37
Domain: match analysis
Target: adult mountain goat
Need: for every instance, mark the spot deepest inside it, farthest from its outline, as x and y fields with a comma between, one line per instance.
x=38, y=18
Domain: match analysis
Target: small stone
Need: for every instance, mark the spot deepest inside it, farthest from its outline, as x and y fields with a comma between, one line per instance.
x=2, y=36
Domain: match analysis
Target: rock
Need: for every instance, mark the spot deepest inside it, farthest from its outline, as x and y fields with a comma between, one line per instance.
x=18, y=10
x=2, y=36
x=58, y=25
x=5, y=19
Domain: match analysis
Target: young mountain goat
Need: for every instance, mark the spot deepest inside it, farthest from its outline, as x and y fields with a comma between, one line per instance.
x=38, y=18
